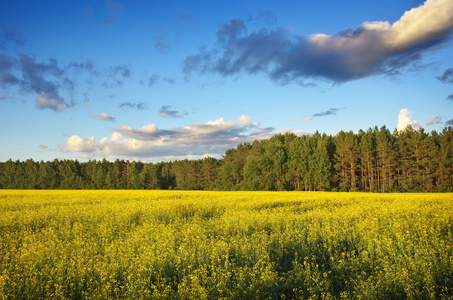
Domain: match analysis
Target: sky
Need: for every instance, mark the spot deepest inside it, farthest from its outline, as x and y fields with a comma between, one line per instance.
x=170, y=80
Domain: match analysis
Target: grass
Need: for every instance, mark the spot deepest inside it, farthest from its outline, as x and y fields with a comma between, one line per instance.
x=225, y=245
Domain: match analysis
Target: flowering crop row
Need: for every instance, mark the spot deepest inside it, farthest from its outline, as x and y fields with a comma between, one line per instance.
x=234, y=245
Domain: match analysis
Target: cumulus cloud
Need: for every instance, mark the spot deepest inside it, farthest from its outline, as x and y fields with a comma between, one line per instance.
x=103, y=116
x=43, y=146
x=78, y=144
x=151, y=142
x=449, y=122
x=404, y=119
x=373, y=48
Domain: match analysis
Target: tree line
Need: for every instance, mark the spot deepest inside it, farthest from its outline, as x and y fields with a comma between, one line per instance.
x=377, y=160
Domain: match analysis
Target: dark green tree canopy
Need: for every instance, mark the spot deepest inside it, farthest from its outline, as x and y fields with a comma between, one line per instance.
x=375, y=160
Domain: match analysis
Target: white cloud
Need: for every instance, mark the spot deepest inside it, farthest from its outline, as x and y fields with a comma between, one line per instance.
x=404, y=119
x=371, y=49
x=430, y=21
x=362, y=51
x=103, y=116
x=78, y=144
x=43, y=146
x=195, y=140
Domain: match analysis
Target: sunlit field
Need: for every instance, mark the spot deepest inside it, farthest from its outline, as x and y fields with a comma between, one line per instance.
x=234, y=245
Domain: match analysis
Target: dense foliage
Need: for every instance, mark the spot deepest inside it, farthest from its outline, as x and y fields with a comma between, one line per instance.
x=225, y=245
x=374, y=161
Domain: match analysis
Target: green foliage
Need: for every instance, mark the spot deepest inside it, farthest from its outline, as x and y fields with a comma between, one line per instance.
x=373, y=161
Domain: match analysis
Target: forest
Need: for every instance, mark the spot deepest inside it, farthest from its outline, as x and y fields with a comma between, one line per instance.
x=375, y=160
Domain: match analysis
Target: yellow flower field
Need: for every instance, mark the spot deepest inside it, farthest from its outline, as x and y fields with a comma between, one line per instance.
x=224, y=245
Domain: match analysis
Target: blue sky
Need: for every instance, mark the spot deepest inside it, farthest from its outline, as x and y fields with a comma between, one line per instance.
x=166, y=80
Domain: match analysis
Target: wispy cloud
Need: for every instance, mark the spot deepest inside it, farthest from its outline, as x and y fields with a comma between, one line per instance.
x=169, y=80
x=4, y=96
x=43, y=146
x=116, y=75
x=55, y=86
x=103, y=116
x=7, y=65
x=433, y=120
x=11, y=35
x=153, y=143
x=113, y=8
x=373, y=48
x=447, y=76
x=332, y=111
x=161, y=43
x=45, y=79
x=152, y=80
x=136, y=105
x=268, y=17
x=167, y=112
x=184, y=20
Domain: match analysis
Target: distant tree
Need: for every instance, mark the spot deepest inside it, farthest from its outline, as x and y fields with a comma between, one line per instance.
x=168, y=176
x=368, y=170
x=298, y=154
x=231, y=173
x=322, y=162
x=48, y=177
x=8, y=175
x=346, y=160
x=444, y=171
x=209, y=172
x=69, y=172
x=385, y=161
